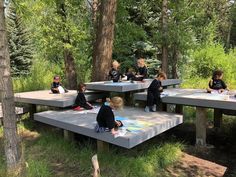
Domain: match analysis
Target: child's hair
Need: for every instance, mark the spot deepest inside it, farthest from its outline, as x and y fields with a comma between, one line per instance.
x=162, y=74
x=115, y=62
x=56, y=76
x=141, y=62
x=80, y=86
x=117, y=102
x=121, y=124
x=217, y=73
x=130, y=70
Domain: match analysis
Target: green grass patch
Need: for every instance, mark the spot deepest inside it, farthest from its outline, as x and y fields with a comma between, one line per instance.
x=50, y=155
x=38, y=168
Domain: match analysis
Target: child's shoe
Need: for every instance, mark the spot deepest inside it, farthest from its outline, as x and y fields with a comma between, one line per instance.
x=147, y=109
x=154, y=108
x=78, y=108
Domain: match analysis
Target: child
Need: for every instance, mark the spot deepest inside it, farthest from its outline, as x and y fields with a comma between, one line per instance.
x=114, y=73
x=106, y=119
x=56, y=86
x=216, y=83
x=130, y=74
x=153, y=94
x=80, y=100
x=142, y=70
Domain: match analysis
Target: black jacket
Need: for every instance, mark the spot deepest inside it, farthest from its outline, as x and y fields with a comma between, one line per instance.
x=81, y=101
x=217, y=84
x=105, y=117
x=115, y=75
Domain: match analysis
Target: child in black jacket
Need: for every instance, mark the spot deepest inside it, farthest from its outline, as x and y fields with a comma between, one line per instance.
x=106, y=119
x=114, y=73
x=153, y=93
x=216, y=83
x=80, y=99
x=56, y=86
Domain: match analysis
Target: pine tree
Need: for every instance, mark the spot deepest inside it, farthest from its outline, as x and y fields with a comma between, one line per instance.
x=19, y=43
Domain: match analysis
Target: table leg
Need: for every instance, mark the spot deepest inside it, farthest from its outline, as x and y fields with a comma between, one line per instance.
x=102, y=146
x=68, y=135
x=179, y=109
x=32, y=110
x=201, y=117
x=217, y=118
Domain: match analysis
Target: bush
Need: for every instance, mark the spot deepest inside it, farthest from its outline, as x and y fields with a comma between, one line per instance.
x=41, y=76
x=207, y=59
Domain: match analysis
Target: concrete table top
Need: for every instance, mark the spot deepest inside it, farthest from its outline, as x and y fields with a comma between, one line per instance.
x=155, y=123
x=44, y=97
x=194, y=97
x=19, y=110
x=127, y=86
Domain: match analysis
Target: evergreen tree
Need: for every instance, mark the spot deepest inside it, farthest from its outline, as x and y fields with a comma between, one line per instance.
x=19, y=43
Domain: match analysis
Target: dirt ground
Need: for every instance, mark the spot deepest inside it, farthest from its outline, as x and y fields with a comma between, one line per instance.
x=218, y=159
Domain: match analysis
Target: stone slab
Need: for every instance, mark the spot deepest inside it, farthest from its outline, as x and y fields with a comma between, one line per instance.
x=19, y=110
x=127, y=86
x=44, y=97
x=158, y=122
x=194, y=97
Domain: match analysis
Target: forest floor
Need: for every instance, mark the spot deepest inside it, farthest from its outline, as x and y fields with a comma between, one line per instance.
x=49, y=155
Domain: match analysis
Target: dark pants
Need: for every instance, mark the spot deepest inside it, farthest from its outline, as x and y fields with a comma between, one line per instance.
x=132, y=77
x=153, y=98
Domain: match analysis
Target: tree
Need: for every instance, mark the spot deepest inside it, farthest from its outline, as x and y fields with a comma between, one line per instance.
x=69, y=61
x=102, y=52
x=19, y=44
x=11, y=140
x=164, y=61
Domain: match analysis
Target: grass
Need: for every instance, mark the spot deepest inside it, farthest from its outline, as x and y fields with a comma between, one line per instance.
x=203, y=83
x=47, y=154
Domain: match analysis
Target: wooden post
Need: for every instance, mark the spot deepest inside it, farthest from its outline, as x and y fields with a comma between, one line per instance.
x=68, y=135
x=179, y=109
x=217, y=118
x=32, y=110
x=201, y=117
x=102, y=146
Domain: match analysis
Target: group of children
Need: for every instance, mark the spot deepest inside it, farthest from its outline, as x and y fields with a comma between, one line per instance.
x=115, y=75
x=106, y=119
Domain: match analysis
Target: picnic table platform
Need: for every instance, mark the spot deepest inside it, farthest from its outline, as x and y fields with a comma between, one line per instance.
x=200, y=99
x=19, y=111
x=44, y=97
x=127, y=86
x=139, y=126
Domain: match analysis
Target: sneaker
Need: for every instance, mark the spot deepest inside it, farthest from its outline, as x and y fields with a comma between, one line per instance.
x=78, y=108
x=147, y=109
x=154, y=108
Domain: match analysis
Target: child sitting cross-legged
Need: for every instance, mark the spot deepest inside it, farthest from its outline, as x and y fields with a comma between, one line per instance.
x=56, y=86
x=106, y=119
x=153, y=93
x=80, y=101
x=216, y=83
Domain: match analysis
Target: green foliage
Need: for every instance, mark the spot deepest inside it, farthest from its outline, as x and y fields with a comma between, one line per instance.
x=37, y=168
x=20, y=47
x=204, y=60
x=41, y=77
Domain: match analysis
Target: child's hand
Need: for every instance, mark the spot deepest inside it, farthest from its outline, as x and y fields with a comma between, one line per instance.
x=221, y=90
x=113, y=132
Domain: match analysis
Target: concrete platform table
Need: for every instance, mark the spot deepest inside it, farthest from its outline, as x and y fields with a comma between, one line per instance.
x=201, y=100
x=151, y=124
x=44, y=97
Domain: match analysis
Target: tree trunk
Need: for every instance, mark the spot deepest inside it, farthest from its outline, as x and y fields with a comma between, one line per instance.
x=70, y=69
x=175, y=62
x=164, y=63
x=102, y=52
x=11, y=140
